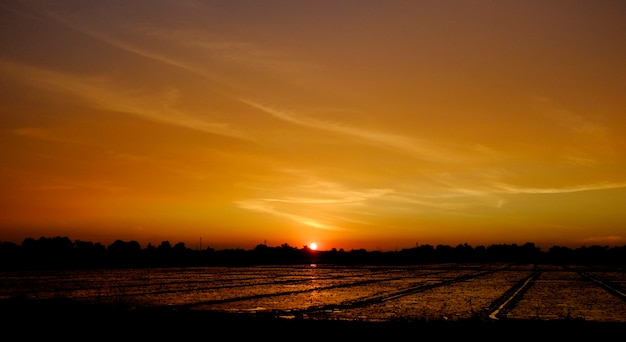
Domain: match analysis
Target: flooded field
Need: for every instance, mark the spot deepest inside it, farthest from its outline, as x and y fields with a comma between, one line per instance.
x=326, y=292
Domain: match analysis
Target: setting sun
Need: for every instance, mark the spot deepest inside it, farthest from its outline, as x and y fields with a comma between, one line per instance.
x=313, y=246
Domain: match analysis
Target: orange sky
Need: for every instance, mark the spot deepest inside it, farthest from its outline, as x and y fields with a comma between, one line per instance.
x=354, y=124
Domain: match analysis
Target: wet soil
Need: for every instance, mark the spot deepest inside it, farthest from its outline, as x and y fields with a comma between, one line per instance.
x=66, y=320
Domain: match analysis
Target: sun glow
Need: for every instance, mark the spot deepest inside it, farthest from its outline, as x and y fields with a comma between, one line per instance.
x=313, y=246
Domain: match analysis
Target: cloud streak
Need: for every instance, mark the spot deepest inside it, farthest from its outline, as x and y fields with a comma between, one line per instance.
x=417, y=148
x=512, y=189
x=200, y=52
x=326, y=199
x=101, y=92
x=262, y=206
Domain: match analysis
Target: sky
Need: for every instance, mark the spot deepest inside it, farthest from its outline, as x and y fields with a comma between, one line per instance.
x=380, y=125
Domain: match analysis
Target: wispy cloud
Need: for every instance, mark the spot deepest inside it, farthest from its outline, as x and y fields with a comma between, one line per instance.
x=330, y=202
x=572, y=121
x=48, y=183
x=604, y=240
x=198, y=51
x=212, y=46
x=457, y=201
x=512, y=189
x=66, y=19
x=102, y=92
x=67, y=185
x=44, y=134
x=580, y=161
x=326, y=192
x=416, y=147
x=263, y=207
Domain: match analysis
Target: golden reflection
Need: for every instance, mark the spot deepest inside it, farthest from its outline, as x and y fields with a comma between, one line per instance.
x=313, y=285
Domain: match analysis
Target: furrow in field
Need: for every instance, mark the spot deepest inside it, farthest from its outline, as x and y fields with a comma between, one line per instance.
x=318, y=293
x=612, y=287
x=464, y=298
x=501, y=305
x=558, y=295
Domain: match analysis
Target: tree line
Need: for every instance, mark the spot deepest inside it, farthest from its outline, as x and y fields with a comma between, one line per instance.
x=62, y=253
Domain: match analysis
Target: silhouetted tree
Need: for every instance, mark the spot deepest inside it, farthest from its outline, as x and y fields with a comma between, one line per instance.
x=61, y=252
x=125, y=254
x=88, y=254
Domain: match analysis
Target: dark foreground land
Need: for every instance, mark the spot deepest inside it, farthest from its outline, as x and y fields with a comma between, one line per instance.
x=64, y=320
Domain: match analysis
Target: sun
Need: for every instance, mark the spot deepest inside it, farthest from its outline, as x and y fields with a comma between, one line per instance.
x=313, y=246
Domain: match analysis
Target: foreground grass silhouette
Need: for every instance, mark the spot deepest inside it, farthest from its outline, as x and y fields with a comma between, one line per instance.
x=68, y=320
